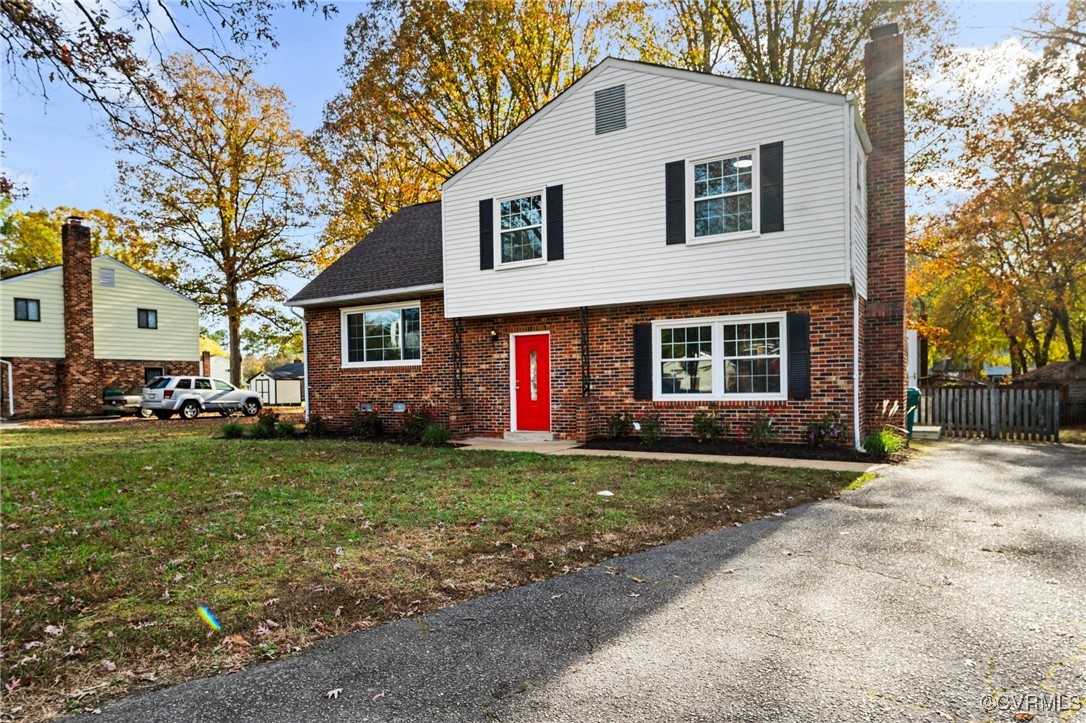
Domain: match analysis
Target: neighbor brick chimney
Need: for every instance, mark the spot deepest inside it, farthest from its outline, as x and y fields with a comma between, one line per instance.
x=205, y=363
x=885, y=367
x=78, y=371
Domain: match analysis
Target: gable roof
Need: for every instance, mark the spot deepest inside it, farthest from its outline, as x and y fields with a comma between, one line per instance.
x=103, y=257
x=403, y=254
x=720, y=81
x=294, y=370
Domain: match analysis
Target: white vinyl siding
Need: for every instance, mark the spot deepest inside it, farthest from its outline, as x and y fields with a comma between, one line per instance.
x=615, y=250
x=41, y=339
x=117, y=334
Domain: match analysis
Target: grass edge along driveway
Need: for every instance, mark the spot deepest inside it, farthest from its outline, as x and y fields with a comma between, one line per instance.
x=114, y=536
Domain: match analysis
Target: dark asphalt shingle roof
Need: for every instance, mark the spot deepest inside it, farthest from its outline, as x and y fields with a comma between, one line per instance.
x=402, y=252
x=294, y=370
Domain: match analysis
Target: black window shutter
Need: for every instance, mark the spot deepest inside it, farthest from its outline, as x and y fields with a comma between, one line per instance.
x=675, y=203
x=486, y=233
x=556, y=249
x=772, y=158
x=642, y=357
x=799, y=355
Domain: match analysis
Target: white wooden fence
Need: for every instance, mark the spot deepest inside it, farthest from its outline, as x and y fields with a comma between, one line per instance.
x=992, y=412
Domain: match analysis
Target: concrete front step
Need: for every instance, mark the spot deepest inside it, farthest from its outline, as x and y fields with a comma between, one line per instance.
x=529, y=436
x=927, y=434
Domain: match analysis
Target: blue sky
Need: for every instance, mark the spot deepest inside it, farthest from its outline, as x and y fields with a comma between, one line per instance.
x=54, y=146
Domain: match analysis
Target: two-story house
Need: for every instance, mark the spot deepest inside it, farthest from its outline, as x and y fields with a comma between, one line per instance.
x=651, y=238
x=68, y=332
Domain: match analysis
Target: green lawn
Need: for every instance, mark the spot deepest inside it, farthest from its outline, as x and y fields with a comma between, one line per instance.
x=113, y=535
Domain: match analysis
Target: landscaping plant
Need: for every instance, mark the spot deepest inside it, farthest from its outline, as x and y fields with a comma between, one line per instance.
x=286, y=428
x=232, y=430
x=619, y=425
x=650, y=425
x=414, y=422
x=265, y=425
x=710, y=427
x=316, y=426
x=760, y=429
x=436, y=434
x=366, y=425
x=883, y=443
x=828, y=431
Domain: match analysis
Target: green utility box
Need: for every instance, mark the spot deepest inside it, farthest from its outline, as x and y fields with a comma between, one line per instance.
x=912, y=407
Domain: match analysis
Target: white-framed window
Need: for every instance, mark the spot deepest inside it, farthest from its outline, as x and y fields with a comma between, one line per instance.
x=723, y=197
x=519, y=236
x=388, y=335
x=720, y=358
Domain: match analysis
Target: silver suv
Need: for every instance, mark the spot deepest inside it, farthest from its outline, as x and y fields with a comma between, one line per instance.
x=188, y=396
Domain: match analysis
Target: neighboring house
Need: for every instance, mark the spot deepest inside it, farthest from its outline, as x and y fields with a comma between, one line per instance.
x=1069, y=377
x=282, y=385
x=652, y=238
x=71, y=331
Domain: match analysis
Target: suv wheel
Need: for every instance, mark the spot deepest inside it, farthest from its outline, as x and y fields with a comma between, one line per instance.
x=190, y=410
x=163, y=415
x=250, y=407
x=145, y=413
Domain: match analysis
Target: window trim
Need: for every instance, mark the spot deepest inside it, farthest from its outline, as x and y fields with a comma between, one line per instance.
x=145, y=313
x=343, y=347
x=718, y=358
x=497, y=221
x=755, y=197
x=15, y=308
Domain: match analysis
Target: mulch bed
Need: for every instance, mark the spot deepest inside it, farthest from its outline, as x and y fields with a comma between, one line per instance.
x=731, y=448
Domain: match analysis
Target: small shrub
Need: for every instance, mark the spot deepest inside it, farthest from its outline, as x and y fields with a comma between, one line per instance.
x=651, y=426
x=883, y=443
x=265, y=425
x=366, y=425
x=619, y=425
x=232, y=430
x=759, y=430
x=316, y=426
x=286, y=428
x=828, y=431
x=415, y=421
x=436, y=434
x=710, y=427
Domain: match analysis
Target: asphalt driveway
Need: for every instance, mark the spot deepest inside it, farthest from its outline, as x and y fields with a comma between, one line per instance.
x=953, y=588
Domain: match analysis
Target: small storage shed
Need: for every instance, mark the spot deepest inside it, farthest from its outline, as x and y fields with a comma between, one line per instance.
x=282, y=385
x=1070, y=378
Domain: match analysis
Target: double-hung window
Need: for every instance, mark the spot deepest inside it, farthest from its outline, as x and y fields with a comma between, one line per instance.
x=27, y=310
x=382, y=335
x=520, y=229
x=723, y=199
x=739, y=357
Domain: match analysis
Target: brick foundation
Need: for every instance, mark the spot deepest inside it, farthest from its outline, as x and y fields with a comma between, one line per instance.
x=37, y=382
x=485, y=410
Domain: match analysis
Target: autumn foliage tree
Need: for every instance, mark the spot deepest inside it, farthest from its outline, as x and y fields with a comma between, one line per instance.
x=1004, y=272
x=31, y=241
x=217, y=174
x=431, y=85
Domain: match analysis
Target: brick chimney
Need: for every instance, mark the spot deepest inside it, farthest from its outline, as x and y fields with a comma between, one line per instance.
x=205, y=363
x=78, y=382
x=885, y=366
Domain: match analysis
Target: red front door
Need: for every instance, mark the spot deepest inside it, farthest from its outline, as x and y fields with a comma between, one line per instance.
x=532, y=382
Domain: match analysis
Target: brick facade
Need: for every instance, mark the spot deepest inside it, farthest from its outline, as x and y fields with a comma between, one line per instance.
x=885, y=364
x=485, y=409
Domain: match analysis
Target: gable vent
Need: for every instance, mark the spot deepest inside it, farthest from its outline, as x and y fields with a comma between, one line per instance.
x=610, y=109
x=107, y=277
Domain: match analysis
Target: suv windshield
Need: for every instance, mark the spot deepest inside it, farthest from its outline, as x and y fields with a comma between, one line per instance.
x=158, y=382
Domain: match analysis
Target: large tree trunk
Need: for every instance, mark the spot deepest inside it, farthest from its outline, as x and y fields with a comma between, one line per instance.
x=233, y=323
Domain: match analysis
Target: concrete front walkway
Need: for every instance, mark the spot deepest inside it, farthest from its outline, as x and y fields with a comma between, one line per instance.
x=571, y=448
x=952, y=588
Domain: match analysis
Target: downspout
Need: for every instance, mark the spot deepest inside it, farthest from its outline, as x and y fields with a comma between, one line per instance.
x=305, y=361
x=11, y=388
x=855, y=368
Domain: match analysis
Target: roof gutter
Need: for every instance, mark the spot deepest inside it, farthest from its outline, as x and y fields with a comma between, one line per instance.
x=407, y=290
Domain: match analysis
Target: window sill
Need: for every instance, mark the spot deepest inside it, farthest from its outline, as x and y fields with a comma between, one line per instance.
x=738, y=236
x=703, y=398
x=520, y=264
x=371, y=365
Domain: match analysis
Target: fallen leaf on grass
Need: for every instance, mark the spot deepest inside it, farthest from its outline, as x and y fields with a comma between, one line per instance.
x=334, y=693
x=109, y=665
x=236, y=639
x=54, y=630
